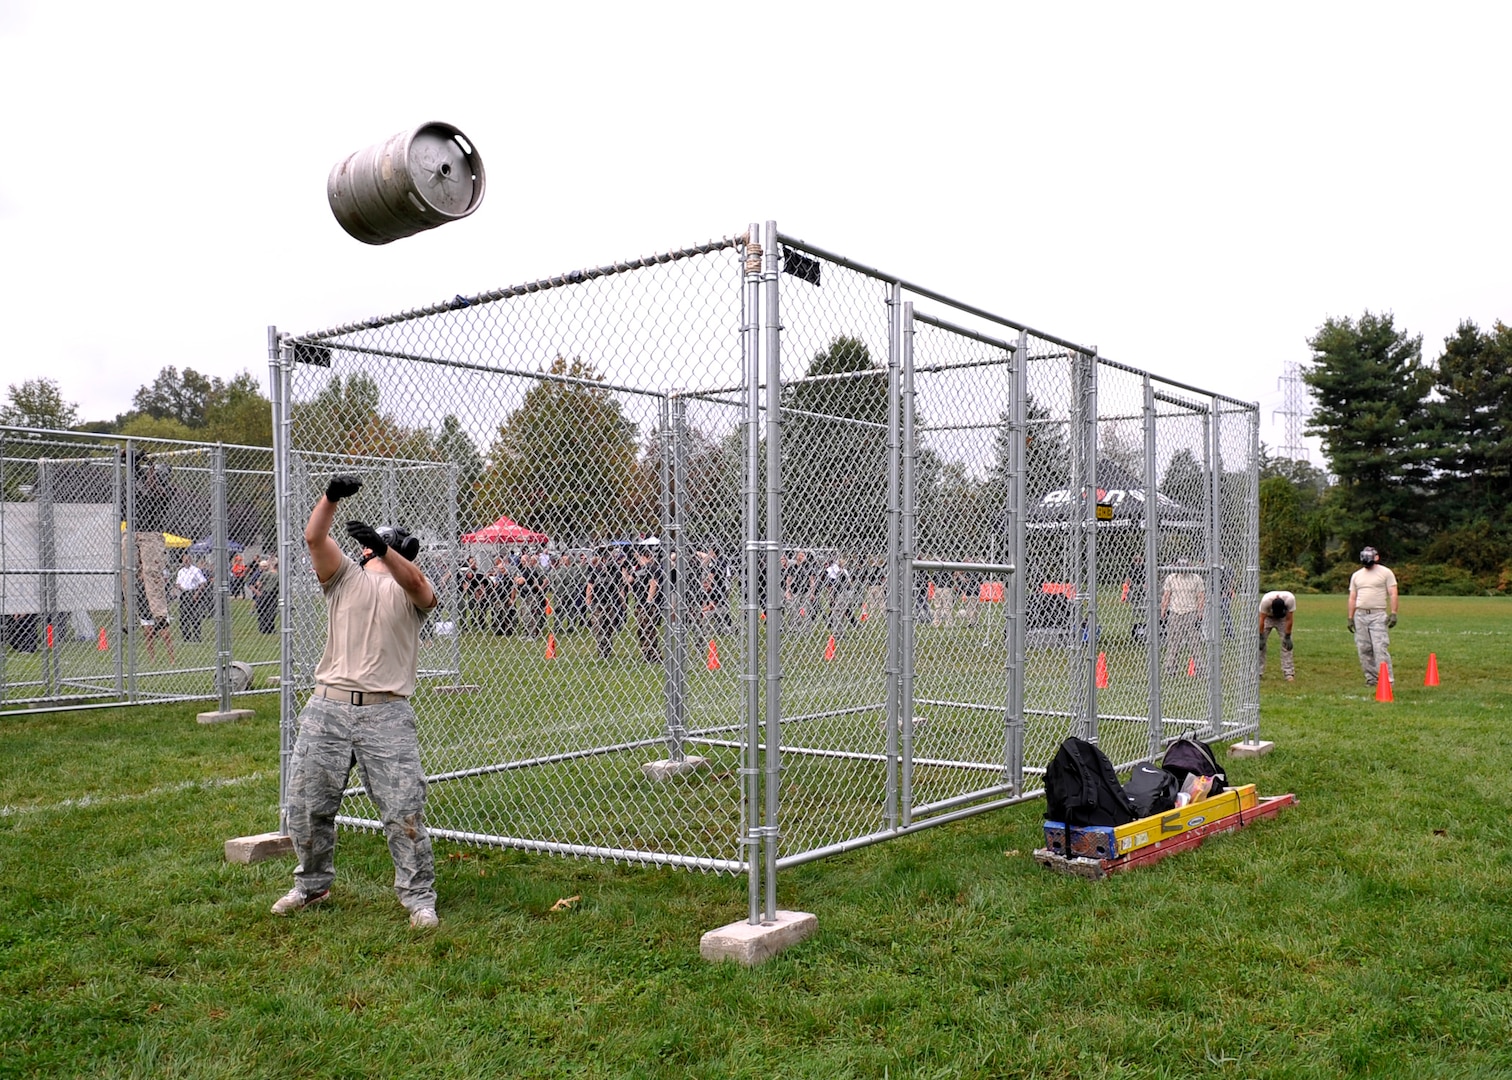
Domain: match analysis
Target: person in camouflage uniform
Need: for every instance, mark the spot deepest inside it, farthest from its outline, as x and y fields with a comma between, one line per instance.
x=360, y=710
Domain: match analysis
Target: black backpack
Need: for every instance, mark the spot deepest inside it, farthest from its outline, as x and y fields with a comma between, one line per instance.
x=1151, y=789
x=1081, y=787
x=1187, y=756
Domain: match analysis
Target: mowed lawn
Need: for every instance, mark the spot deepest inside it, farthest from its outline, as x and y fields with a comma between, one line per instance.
x=1365, y=932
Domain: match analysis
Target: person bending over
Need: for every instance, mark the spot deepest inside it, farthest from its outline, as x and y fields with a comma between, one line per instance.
x=1278, y=610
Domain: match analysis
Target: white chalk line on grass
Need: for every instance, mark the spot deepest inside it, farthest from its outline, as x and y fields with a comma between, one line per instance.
x=88, y=801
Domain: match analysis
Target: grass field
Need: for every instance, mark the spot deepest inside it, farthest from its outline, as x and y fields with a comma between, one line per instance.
x=1365, y=932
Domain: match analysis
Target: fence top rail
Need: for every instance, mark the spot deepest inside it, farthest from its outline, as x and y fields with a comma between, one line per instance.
x=893, y=279
x=1086, y=350
x=1252, y=406
x=930, y=320
x=572, y=277
x=36, y=434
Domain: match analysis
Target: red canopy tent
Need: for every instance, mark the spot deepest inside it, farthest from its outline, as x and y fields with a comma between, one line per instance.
x=505, y=531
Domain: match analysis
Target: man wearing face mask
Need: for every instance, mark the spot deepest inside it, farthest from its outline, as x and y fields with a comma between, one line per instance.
x=360, y=710
x=1372, y=613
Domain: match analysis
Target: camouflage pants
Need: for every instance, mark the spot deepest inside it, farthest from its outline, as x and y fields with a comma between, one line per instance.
x=381, y=740
x=1184, y=647
x=1288, y=662
x=1373, y=643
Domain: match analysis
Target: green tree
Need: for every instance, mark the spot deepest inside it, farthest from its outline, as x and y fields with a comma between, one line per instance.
x=1283, y=525
x=453, y=444
x=1472, y=426
x=1185, y=480
x=834, y=452
x=1121, y=443
x=236, y=412
x=172, y=396
x=712, y=472
x=38, y=403
x=1369, y=388
x=1047, y=454
x=564, y=463
x=344, y=418
x=1293, y=513
x=142, y=426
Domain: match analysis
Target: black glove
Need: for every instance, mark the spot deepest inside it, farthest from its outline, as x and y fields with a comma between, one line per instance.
x=343, y=486
x=368, y=537
x=1286, y=642
x=1351, y=626
x=1391, y=620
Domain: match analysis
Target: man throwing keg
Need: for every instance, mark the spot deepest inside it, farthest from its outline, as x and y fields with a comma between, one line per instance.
x=1372, y=613
x=360, y=710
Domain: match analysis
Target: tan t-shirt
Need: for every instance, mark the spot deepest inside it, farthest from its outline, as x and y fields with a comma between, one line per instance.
x=1270, y=598
x=1371, y=586
x=1187, y=591
x=372, y=633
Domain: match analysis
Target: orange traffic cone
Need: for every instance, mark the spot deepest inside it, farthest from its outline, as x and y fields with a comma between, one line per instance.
x=104, y=641
x=1431, y=679
x=49, y=635
x=713, y=664
x=1383, y=685
x=551, y=646
x=1102, y=671
x=829, y=650
x=548, y=609
x=1192, y=667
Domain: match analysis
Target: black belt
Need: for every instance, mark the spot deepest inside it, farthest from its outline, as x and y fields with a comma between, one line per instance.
x=357, y=697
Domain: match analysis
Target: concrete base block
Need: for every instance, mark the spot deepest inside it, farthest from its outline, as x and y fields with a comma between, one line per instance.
x=459, y=688
x=665, y=770
x=750, y=945
x=262, y=846
x=1258, y=748
x=225, y=717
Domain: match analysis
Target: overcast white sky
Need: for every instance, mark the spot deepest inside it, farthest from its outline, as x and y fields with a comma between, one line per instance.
x=1192, y=188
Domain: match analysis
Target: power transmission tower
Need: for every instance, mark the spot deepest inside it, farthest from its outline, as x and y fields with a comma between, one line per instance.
x=1295, y=409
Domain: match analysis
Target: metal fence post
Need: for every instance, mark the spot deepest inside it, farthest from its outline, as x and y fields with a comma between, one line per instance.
x=132, y=559
x=672, y=591
x=1152, y=569
x=278, y=389
x=1249, y=698
x=223, y=644
x=755, y=562
x=1015, y=508
x=898, y=692
x=47, y=580
x=902, y=745
x=1213, y=624
x=772, y=335
x=1088, y=631
x=1079, y=704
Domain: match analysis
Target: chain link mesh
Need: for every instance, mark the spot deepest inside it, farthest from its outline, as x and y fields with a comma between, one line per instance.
x=94, y=531
x=600, y=701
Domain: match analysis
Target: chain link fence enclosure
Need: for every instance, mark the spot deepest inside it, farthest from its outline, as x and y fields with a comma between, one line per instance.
x=829, y=557
x=94, y=530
